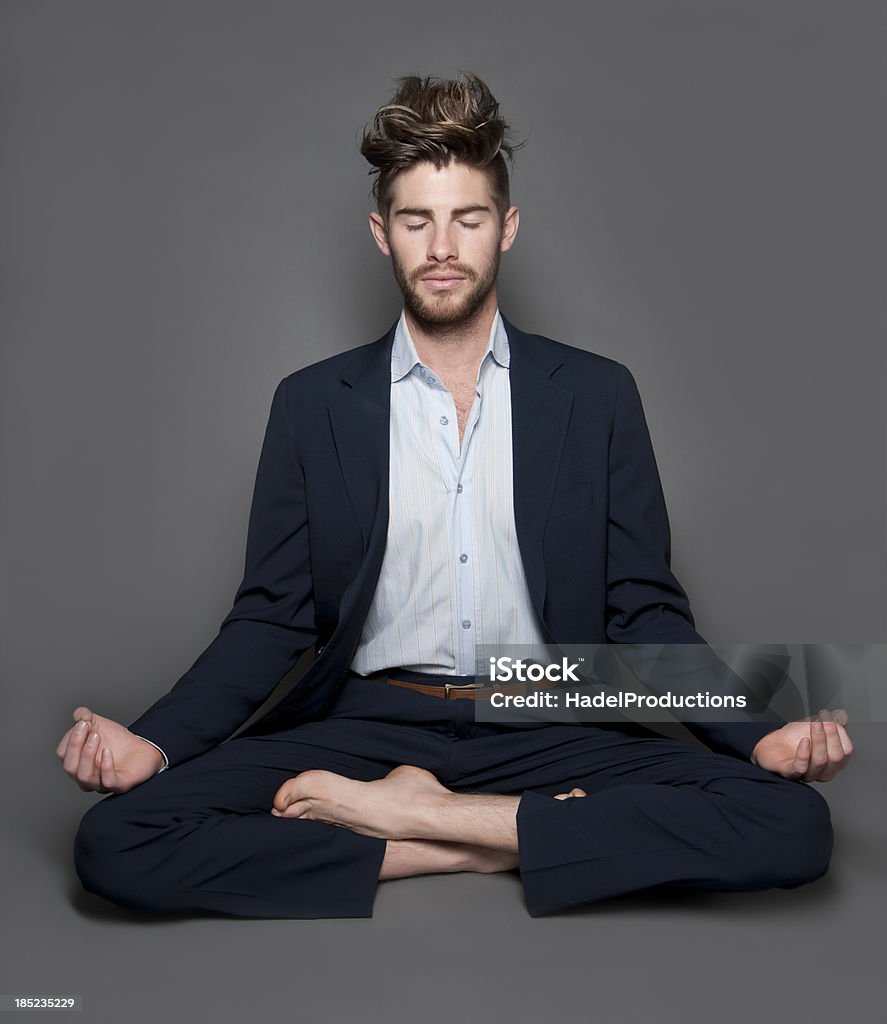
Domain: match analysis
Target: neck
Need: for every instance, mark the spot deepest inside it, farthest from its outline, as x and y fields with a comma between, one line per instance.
x=451, y=348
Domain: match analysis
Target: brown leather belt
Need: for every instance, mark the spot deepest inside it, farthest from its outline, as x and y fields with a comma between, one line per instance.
x=472, y=691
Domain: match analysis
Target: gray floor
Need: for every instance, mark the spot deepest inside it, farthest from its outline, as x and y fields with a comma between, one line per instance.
x=460, y=947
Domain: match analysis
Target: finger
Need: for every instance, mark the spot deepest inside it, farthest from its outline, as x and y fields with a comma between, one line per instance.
x=63, y=744
x=835, y=760
x=833, y=743
x=801, y=761
x=818, y=751
x=75, y=747
x=79, y=714
x=107, y=769
x=825, y=716
x=838, y=754
x=840, y=716
x=846, y=744
x=87, y=770
x=90, y=762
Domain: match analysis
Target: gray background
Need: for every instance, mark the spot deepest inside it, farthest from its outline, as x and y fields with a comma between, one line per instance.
x=183, y=222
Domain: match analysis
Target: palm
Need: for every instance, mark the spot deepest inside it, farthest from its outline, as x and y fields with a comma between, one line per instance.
x=814, y=750
x=777, y=754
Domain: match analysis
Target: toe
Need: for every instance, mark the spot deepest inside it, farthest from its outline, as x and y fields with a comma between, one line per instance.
x=575, y=791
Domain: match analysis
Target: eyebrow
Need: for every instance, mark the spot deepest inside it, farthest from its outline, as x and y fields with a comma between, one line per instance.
x=460, y=211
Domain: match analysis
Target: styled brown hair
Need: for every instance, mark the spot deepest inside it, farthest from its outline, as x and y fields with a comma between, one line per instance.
x=439, y=120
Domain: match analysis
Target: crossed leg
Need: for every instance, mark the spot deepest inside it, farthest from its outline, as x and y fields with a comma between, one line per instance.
x=202, y=836
x=656, y=813
x=428, y=827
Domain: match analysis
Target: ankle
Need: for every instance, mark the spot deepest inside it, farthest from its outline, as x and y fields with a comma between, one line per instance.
x=405, y=858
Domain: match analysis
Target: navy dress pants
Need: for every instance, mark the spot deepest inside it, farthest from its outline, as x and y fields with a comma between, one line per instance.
x=200, y=837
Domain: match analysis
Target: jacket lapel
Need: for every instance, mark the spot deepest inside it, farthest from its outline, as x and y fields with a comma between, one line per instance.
x=360, y=423
x=540, y=414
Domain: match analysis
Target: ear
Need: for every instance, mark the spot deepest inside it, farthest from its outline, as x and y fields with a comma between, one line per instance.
x=380, y=233
x=509, y=228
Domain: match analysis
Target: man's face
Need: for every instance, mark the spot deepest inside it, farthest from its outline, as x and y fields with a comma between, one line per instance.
x=445, y=241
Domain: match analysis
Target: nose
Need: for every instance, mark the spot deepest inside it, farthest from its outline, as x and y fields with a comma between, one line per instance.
x=442, y=246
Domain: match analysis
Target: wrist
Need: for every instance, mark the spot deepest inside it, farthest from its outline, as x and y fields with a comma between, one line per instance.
x=162, y=759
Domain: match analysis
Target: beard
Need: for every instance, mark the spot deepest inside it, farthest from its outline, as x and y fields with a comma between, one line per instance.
x=445, y=309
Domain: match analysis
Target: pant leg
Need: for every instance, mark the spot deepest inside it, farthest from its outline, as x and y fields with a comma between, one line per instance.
x=658, y=812
x=200, y=838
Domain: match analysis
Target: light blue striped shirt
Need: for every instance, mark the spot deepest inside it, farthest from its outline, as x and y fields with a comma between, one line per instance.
x=452, y=575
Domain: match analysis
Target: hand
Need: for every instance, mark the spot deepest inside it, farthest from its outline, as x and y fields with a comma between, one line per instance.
x=103, y=756
x=814, y=750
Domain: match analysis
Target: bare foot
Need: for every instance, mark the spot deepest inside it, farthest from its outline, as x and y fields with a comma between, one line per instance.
x=391, y=808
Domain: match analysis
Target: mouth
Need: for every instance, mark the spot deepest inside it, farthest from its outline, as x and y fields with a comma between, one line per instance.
x=442, y=282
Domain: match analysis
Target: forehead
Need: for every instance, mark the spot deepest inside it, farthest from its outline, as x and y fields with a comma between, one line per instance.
x=446, y=188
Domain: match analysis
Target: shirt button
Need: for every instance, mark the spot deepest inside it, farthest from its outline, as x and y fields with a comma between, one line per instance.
x=459, y=488
x=466, y=623
x=463, y=558
x=444, y=421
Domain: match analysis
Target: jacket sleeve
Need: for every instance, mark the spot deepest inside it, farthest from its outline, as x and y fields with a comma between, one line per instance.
x=646, y=606
x=270, y=624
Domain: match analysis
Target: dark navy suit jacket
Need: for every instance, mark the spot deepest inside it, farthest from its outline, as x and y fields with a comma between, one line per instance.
x=590, y=517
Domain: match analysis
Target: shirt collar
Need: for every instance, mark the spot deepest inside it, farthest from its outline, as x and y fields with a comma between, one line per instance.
x=404, y=357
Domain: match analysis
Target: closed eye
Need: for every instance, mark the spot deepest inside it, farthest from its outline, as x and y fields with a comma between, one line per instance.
x=471, y=224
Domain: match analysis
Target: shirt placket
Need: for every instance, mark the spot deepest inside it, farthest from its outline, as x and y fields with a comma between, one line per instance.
x=465, y=547
x=458, y=465
x=444, y=431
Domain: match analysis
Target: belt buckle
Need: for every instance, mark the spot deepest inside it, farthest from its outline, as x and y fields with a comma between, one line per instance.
x=460, y=686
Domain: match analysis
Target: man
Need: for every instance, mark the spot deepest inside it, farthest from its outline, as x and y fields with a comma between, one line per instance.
x=457, y=482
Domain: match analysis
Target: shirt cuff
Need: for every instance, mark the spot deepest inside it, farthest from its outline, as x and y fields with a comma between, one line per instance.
x=165, y=764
